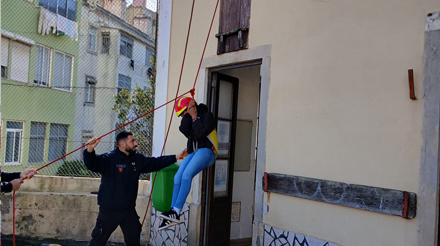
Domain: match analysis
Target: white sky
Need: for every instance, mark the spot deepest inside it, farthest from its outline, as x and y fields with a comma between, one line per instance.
x=151, y=4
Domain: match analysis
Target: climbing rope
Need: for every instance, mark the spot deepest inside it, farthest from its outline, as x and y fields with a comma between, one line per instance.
x=178, y=87
x=50, y=163
x=171, y=118
x=172, y=114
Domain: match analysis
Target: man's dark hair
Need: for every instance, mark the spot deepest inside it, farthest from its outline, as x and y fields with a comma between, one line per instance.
x=122, y=136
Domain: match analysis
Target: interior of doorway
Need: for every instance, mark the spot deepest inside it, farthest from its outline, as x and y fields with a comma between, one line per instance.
x=245, y=158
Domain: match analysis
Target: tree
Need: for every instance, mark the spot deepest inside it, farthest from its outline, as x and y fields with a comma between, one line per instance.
x=130, y=106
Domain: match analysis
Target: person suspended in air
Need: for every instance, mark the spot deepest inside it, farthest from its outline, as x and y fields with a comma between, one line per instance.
x=198, y=126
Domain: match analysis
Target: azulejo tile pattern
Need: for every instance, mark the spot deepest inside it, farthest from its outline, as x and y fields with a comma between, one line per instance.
x=277, y=237
x=175, y=235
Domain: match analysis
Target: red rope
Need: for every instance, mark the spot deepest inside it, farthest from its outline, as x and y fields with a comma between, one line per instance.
x=172, y=111
x=183, y=61
x=149, y=199
x=204, y=49
x=13, y=218
x=50, y=163
x=178, y=86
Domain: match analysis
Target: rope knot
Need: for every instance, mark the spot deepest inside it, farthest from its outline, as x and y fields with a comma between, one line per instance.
x=192, y=92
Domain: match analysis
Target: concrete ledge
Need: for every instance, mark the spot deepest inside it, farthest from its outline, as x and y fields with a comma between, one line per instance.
x=62, y=208
x=42, y=183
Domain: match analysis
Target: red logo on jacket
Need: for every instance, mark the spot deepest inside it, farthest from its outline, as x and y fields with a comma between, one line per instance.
x=120, y=168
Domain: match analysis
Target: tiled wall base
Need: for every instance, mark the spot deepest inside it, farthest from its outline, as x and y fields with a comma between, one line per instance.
x=277, y=237
x=176, y=235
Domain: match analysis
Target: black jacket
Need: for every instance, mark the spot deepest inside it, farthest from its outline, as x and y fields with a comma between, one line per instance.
x=120, y=175
x=197, y=131
x=6, y=178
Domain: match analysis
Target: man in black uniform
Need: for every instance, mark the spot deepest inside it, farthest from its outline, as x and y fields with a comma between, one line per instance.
x=120, y=170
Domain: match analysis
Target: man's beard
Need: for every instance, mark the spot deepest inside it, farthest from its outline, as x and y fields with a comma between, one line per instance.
x=130, y=150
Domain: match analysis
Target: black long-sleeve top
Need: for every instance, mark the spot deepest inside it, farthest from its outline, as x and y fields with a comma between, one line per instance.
x=6, y=186
x=198, y=130
x=120, y=175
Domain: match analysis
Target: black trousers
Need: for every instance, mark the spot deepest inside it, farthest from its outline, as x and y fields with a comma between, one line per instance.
x=108, y=221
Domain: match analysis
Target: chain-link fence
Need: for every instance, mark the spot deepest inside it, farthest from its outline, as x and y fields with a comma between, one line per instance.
x=72, y=70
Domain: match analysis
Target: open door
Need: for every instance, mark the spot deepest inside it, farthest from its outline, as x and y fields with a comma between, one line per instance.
x=223, y=100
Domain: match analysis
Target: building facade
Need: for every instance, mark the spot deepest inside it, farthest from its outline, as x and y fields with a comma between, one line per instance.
x=39, y=73
x=323, y=140
x=114, y=55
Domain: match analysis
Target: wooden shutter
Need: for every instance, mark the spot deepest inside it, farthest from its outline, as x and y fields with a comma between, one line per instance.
x=20, y=61
x=5, y=51
x=234, y=25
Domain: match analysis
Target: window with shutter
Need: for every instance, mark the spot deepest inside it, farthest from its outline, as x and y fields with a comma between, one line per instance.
x=20, y=61
x=234, y=25
x=5, y=57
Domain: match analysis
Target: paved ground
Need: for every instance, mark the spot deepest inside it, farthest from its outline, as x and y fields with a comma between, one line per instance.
x=7, y=241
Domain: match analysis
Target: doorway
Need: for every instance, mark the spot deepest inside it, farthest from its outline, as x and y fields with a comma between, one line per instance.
x=233, y=96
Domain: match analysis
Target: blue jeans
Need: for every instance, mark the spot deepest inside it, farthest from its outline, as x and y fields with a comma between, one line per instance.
x=190, y=167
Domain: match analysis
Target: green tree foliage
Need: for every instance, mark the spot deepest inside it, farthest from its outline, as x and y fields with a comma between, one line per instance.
x=129, y=106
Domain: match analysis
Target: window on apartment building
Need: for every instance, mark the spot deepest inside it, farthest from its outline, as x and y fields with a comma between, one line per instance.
x=86, y=136
x=148, y=54
x=37, y=142
x=19, y=64
x=57, y=141
x=124, y=82
x=62, y=77
x=5, y=57
x=14, y=138
x=62, y=7
x=92, y=39
x=4, y=72
x=20, y=56
x=233, y=25
x=90, y=90
x=105, y=42
x=71, y=10
x=66, y=8
x=126, y=47
x=42, y=66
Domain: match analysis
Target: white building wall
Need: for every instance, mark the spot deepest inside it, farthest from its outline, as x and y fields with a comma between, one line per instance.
x=100, y=117
x=87, y=65
x=338, y=104
x=138, y=74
